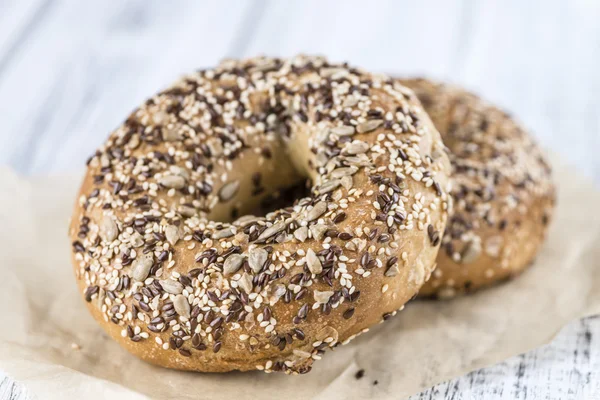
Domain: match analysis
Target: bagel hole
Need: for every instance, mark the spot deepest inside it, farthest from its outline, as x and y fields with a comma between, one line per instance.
x=282, y=198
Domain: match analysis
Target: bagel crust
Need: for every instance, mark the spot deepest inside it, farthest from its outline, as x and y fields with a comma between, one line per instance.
x=173, y=269
x=502, y=187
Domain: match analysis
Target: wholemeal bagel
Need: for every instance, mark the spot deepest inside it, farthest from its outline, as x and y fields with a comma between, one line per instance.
x=502, y=189
x=173, y=269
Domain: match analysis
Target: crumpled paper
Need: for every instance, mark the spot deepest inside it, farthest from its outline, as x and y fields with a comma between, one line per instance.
x=50, y=343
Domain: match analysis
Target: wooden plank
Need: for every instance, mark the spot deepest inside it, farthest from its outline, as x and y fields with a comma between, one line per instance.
x=569, y=368
x=11, y=390
x=17, y=20
x=385, y=36
x=89, y=63
x=540, y=60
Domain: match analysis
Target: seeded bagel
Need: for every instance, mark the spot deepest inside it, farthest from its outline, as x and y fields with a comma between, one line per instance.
x=502, y=188
x=175, y=271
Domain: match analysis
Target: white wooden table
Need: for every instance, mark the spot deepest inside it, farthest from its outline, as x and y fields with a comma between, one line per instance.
x=71, y=70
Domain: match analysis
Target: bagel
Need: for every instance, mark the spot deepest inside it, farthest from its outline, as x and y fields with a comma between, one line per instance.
x=502, y=188
x=173, y=268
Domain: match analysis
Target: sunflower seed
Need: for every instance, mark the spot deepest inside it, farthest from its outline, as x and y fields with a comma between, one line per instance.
x=136, y=240
x=257, y=258
x=350, y=101
x=229, y=190
x=317, y=210
x=271, y=230
x=182, y=306
x=359, y=160
x=321, y=158
x=215, y=146
x=493, y=246
x=360, y=243
x=104, y=161
x=101, y=297
x=333, y=72
x=313, y=263
x=328, y=332
x=186, y=211
x=223, y=233
x=170, y=134
x=172, y=181
x=141, y=266
x=347, y=182
x=282, y=237
x=264, y=66
x=328, y=186
x=134, y=142
x=109, y=229
x=356, y=147
x=350, y=246
x=245, y=282
x=344, y=130
x=278, y=293
x=301, y=353
x=392, y=271
x=419, y=272
x=322, y=297
x=471, y=252
x=160, y=118
x=344, y=171
x=369, y=126
x=318, y=231
x=171, y=286
x=301, y=233
x=172, y=234
x=246, y=220
x=175, y=170
x=232, y=264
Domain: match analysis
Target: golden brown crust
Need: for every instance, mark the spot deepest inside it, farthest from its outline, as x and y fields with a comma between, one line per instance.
x=176, y=284
x=502, y=189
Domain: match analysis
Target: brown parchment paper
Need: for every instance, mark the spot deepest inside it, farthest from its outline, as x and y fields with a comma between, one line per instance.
x=49, y=343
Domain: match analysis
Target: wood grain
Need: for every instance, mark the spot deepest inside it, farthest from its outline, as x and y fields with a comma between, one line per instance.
x=70, y=71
